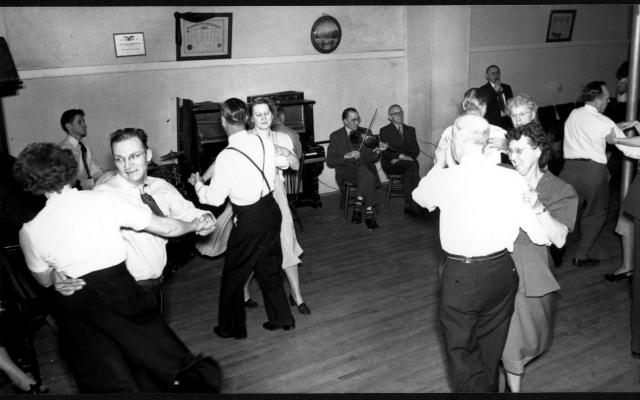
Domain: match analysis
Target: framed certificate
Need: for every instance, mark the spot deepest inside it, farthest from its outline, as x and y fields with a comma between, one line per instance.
x=201, y=36
x=129, y=44
x=560, y=25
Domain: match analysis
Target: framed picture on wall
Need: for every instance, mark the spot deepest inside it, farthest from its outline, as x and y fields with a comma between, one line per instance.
x=129, y=44
x=202, y=36
x=560, y=25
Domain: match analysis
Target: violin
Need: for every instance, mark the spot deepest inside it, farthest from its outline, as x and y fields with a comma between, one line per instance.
x=364, y=137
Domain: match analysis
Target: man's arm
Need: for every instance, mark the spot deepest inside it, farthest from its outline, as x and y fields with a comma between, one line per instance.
x=334, y=155
x=428, y=190
x=412, y=149
x=184, y=210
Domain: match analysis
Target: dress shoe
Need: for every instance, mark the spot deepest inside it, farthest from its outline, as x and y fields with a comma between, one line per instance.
x=371, y=222
x=302, y=308
x=270, y=327
x=618, y=277
x=238, y=334
x=36, y=388
x=356, y=218
x=586, y=262
x=635, y=354
x=250, y=304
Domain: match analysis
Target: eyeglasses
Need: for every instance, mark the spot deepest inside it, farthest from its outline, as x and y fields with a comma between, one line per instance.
x=354, y=119
x=522, y=114
x=131, y=157
x=395, y=114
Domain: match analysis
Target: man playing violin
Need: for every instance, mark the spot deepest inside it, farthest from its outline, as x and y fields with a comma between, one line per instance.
x=401, y=154
x=353, y=152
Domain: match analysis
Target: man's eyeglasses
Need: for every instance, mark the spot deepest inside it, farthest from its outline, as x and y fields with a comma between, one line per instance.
x=395, y=114
x=131, y=157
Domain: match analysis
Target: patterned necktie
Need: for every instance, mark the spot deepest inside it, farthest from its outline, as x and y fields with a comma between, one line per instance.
x=400, y=131
x=83, y=148
x=501, y=101
x=149, y=201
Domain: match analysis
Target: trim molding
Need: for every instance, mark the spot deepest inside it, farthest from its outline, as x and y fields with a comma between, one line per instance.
x=199, y=64
x=545, y=46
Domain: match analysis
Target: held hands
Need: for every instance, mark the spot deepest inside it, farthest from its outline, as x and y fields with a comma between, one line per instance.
x=611, y=137
x=281, y=151
x=194, y=178
x=65, y=285
x=530, y=198
x=205, y=224
x=629, y=124
x=355, y=154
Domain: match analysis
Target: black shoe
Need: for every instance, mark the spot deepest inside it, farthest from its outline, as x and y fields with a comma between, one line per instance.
x=250, y=304
x=635, y=354
x=302, y=308
x=587, y=262
x=357, y=217
x=618, y=277
x=238, y=334
x=268, y=326
x=371, y=222
x=36, y=388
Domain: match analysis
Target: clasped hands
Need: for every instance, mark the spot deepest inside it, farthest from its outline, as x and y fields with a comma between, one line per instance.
x=530, y=198
x=205, y=224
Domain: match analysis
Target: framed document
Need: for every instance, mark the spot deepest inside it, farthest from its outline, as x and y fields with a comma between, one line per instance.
x=202, y=36
x=560, y=25
x=129, y=44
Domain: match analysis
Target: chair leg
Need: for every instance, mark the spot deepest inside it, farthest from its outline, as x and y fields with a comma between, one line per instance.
x=386, y=202
x=345, y=200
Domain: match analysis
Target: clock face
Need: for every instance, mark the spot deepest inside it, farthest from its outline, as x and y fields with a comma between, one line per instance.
x=326, y=34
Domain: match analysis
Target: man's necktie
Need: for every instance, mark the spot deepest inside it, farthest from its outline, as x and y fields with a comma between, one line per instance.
x=83, y=148
x=503, y=106
x=148, y=200
x=400, y=131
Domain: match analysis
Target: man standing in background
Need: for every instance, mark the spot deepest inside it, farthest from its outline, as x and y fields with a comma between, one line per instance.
x=497, y=94
x=73, y=123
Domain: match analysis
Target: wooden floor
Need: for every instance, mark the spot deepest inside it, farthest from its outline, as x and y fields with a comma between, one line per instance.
x=373, y=326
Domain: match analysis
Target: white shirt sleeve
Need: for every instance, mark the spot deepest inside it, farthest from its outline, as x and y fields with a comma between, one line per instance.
x=426, y=194
x=218, y=189
x=34, y=261
x=129, y=214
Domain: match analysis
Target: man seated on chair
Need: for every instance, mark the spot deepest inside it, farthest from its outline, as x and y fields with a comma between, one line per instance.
x=401, y=155
x=354, y=162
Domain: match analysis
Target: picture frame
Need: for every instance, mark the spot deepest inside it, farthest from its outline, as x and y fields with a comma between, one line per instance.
x=560, y=25
x=203, y=36
x=129, y=44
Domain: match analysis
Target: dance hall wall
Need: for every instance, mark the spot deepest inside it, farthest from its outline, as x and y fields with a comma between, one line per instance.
x=422, y=57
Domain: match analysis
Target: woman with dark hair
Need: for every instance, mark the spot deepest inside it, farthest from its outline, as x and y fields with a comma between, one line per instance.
x=555, y=204
x=115, y=339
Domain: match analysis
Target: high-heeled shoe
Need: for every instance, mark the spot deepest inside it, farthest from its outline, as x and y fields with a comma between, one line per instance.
x=618, y=277
x=302, y=308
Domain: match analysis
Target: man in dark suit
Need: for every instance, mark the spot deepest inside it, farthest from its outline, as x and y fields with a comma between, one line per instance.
x=401, y=155
x=497, y=94
x=355, y=162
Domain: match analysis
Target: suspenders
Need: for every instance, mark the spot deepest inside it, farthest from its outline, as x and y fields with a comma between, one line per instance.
x=254, y=164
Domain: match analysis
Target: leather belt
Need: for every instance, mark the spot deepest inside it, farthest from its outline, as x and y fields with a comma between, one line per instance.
x=469, y=260
x=579, y=159
x=150, y=282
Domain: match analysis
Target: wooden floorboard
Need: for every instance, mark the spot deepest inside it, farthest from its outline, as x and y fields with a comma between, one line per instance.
x=374, y=327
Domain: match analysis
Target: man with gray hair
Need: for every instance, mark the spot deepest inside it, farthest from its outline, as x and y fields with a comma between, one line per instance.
x=482, y=208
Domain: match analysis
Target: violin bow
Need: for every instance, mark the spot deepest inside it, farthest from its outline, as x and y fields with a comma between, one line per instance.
x=368, y=129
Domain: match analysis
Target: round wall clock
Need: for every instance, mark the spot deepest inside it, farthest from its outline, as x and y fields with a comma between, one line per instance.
x=326, y=34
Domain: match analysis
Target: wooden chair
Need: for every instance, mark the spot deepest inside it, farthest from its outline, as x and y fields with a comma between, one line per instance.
x=394, y=189
x=347, y=196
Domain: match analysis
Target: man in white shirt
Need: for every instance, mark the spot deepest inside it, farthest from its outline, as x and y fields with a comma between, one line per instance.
x=245, y=172
x=146, y=252
x=585, y=168
x=73, y=123
x=481, y=213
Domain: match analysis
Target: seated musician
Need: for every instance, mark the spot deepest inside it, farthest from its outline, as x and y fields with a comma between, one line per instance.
x=401, y=156
x=354, y=161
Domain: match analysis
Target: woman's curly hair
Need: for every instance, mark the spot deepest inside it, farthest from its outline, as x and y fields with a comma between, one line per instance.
x=45, y=168
x=537, y=138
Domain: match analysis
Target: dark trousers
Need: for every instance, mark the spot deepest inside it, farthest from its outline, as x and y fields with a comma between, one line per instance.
x=410, y=171
x=153, y=289
x=591, y=181
x=475, y=311
x=635, y=288
x=362, y=176
x=116, y=340
x=254, y=245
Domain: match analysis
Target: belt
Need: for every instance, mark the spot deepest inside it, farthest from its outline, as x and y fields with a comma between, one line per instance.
x=149, y=282
x=469, y=260
x=579, y=159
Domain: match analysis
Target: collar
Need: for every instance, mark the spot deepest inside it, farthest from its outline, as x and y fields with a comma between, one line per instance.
x=473, y=159
x=494, y=86
x=66, y=189
x=398, y=127
x=591, y=108
x=72, y=140
x=125, y=184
